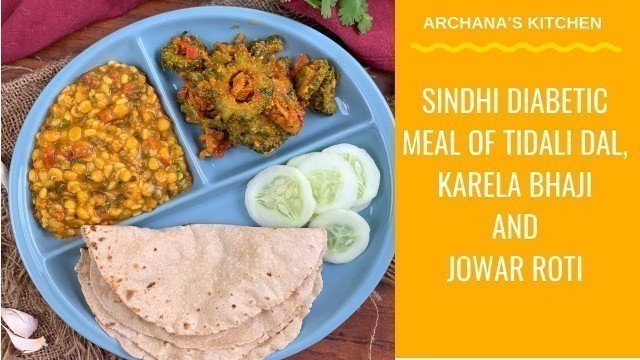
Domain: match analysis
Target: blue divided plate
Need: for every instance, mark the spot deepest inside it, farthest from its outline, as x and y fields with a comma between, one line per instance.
x=217, y=195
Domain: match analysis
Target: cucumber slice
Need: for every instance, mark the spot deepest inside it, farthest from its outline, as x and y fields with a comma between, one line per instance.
x=280, y=196
x=347, y=234
x=333, y=181
x=365, y=168
x=299, y=159
x=358, y=208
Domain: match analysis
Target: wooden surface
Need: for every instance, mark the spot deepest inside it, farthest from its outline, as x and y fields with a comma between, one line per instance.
x=349, y=341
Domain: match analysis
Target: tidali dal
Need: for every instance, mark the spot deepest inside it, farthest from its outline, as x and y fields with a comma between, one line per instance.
x=106, y=152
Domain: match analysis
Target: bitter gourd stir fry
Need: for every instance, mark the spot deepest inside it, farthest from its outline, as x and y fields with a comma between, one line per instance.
x=243, y=94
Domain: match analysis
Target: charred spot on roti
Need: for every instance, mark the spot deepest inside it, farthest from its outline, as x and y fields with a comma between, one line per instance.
x=151, y=285
x=198, y=310
x=92, y=228
x=233, y=306
x=186, y=326
x=94, y=245
x=135, y=309
x=129, y=293
x=269, y=274
x=101, y=239
x=209, y=293
x=267, y=298
x=136, y=266
x=165, y=343
x=109, y=257
x=110, y=324
x=155, y=249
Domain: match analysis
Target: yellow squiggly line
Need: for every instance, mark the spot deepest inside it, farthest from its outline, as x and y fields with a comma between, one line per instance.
x=516, y=47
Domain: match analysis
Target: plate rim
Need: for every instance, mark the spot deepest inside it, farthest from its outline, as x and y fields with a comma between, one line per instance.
x=32, y=258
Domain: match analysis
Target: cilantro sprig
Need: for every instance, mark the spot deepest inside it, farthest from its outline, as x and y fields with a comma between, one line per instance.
x=350, y=12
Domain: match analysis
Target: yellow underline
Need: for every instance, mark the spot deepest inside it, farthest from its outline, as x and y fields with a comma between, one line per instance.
x=516, y=47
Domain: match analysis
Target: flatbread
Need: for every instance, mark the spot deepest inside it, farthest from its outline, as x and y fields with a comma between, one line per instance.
x=83, y=269
x=167, y=351
x=203, y=279
x=145, y=347
x=127, y=345
x=246, y=332
x=278, y=342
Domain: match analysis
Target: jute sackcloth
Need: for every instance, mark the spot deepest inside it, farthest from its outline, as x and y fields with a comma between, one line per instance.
x=17, y=289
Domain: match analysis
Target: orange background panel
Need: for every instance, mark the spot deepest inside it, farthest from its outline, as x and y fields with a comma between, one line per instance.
x=599, y=316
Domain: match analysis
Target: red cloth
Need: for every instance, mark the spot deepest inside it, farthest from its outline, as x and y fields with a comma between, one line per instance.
x=30, y=25
x=376, y=48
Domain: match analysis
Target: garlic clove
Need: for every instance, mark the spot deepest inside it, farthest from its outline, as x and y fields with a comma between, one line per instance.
x=21, y=323
x=27, y=346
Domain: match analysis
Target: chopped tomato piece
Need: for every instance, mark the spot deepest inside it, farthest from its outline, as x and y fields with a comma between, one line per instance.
x=301, y=61
x=152, y=143
x=106, y=115
x=115, y=76
x=131, y=90
x=91, y=80
x=49, y=154
x=166, y=161
x=80, y=151
x=189, y=51
x=192, y=52
x=183, y=43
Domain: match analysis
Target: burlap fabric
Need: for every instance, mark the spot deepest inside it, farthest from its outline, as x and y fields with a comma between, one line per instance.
x=17, y=289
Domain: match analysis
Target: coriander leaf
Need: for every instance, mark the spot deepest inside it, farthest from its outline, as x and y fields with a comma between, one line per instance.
x=364, y=24
x=314, y=3
x=351, y=11
x=326, y=8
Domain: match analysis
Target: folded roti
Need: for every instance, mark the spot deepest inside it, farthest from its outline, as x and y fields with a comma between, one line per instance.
x=203, y=279
x=248, y=331
x=278, y=342
x=127, y=345
x=146, y=347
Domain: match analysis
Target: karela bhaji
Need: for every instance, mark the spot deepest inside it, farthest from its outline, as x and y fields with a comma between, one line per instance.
x=106, y=152
x=242, y=94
